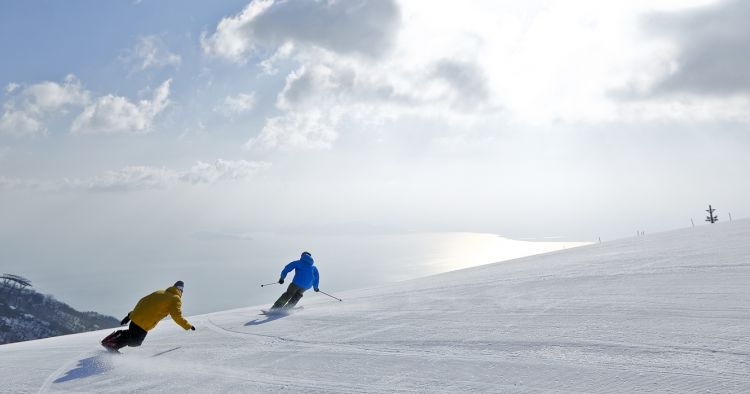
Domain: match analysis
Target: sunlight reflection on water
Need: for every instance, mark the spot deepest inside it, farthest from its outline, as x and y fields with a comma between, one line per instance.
x=355, y=261
x=463, y=250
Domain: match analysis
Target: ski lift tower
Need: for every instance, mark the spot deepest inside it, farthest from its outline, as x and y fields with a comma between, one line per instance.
x=14, y=282
x=13, y=286
x=711, y=217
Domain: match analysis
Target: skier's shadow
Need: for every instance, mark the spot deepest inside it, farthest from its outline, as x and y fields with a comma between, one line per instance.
x=268, y=319
x=87, y=367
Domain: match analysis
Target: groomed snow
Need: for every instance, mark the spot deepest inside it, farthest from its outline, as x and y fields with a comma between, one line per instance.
x=666, y=312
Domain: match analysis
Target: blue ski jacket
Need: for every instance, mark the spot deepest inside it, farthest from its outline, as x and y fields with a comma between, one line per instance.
x=305, y=273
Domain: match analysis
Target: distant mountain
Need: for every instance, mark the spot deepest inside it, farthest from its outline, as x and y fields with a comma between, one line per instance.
x=26, y=314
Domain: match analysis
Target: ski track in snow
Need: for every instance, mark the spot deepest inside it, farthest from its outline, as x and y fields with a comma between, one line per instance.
x=666, y=312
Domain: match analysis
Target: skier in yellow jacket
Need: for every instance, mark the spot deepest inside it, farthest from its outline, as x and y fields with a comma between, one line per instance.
x=146, y=314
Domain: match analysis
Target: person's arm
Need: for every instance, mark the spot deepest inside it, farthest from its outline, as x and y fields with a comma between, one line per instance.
x=286, y=270
x=175, y=311
x=316, y=278
x=126, y=319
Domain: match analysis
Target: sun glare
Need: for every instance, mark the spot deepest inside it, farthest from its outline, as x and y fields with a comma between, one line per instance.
x=464, y=250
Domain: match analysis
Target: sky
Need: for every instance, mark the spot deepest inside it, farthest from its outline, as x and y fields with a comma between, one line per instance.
x=128, y=127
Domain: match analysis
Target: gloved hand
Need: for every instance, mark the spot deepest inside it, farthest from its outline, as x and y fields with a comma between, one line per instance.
x=125, y=320
x=316, y=289
x=192, y=328
x=281, y=281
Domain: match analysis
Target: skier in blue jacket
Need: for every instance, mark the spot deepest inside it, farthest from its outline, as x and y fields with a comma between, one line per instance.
x=305, y=276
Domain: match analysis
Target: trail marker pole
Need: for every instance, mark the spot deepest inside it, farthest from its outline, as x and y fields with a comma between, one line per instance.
x=711, y=217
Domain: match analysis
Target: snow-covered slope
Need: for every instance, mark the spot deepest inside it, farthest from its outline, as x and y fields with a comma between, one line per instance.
x=666, y=312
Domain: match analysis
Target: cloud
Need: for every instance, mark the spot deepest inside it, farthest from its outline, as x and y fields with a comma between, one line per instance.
x=230, y=41
x=348, y=63
x=47, y=96
x=30, y=108
x=335, y=82
x=135, y=178
x=21, y=124
x=144, y=177
x=283, y=53
x=117, y=115
x=297, y=130
x=365, y=27
x=466, y=79
x=222, y=170
x=127, y=179
x=322, y=96
x=14, y=183
x=25, y=113
x=242, y=102
x=713, y=49
x=152, y=52
x=303, y=84
x=11, y=87
x=454, y=68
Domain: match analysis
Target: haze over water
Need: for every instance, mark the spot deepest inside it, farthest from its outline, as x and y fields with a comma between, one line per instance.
x=223, y=272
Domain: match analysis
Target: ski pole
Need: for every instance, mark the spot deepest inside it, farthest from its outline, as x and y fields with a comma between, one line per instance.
x=269, y=284
x=335, y=298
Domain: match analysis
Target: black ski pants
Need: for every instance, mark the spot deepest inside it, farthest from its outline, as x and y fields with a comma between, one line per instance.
x=290, y=298
x=133, y=336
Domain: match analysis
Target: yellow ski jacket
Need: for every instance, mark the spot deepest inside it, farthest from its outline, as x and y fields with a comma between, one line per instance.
x=156, y=306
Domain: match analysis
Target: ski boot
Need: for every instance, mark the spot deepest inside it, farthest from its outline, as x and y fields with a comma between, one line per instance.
x=110, y=342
